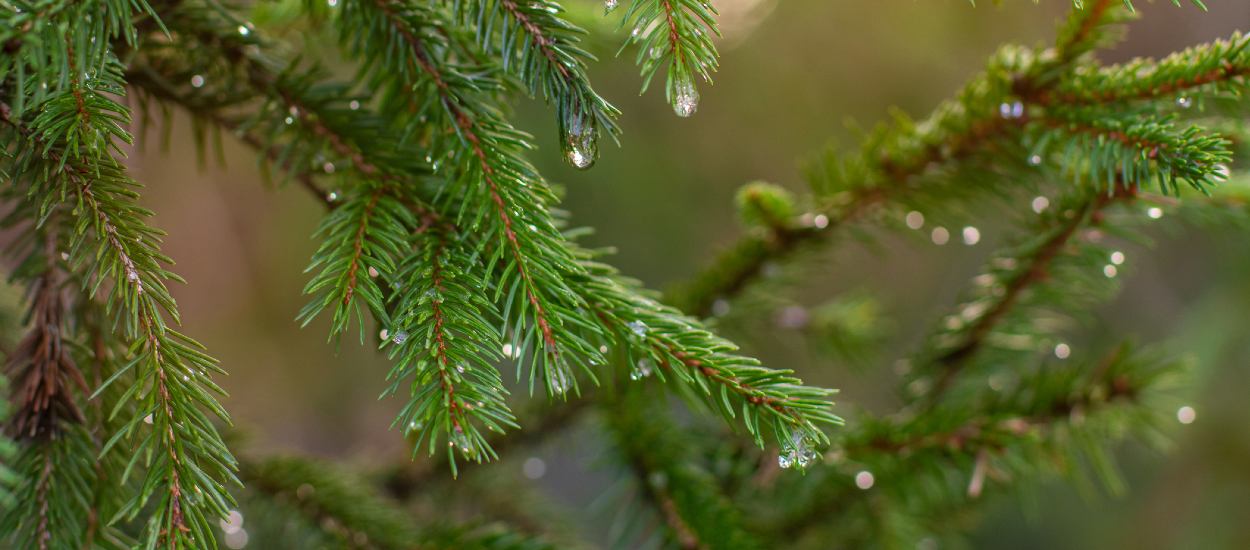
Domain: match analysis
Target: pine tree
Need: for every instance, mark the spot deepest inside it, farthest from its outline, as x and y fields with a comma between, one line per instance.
x=441, y=235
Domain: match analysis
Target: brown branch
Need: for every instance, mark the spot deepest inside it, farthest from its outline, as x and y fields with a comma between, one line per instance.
x=41, y=365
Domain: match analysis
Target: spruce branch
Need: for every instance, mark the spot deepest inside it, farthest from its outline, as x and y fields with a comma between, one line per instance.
x=903, y=161
x=542, y=49
x=66, y=156
x=363, y=239
x=676, y=33
x=447, y=342
x=493, y=185
x=659, y=340
x=1102, y=148
x=1208, y=69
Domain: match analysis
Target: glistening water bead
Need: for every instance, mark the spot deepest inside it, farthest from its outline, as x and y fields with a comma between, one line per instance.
x=642, y=369
x=609, y=5
x=685, y=98
x=579, y=141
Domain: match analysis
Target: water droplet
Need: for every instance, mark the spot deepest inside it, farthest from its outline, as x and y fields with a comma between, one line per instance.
x=685, y=97
x=940, y=235
x=642, y=369
x=1154, y=212
x=332, y=3
x=399, y=337
x=558, y=379
x=639, y=328
x=1184, y=102
x=148, y=419
x=1109, y=270
x=197, y=81
x=1117, y=257
x=821, y=221
x=1040, y=204
x=634, y=33
x=609, y=5
x=289, y=120
x=1011, y=110
x=461, y=440
x=328, y=167
x=1221, y=172
x=332, y=196
x=864, y=480
x=1186, y=415
x=353, y=105
x=460, y=369
x=1062, y=350
x=507, y=350
x=65, y=256
x=1035, y=160
x=797, y=452
x=785, y=460
x=580, y=140
x=971, y=235
x=131, y=274
x=655, y=52
x=373, y=271
x=384, y=334
x=914, y=220
x=243, y=30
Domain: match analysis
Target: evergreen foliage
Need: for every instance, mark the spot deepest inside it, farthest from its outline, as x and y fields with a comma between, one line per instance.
x=441, y=235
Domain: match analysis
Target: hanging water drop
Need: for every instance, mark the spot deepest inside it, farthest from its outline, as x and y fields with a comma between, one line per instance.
x=354, y=105
x=785, y=460
x=639, y=328
x=558, y=379
x=459, y=439
x=608, y=6
x=399, y=337
x=579, y=140
x=1184, y=102
x=197, y=81
x=685, y=97
x=642, y=369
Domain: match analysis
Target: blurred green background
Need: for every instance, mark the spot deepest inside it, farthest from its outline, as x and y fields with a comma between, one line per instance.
x=793, y=73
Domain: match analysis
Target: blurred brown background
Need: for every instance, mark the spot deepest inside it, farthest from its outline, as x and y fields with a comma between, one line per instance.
x=792, y=74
